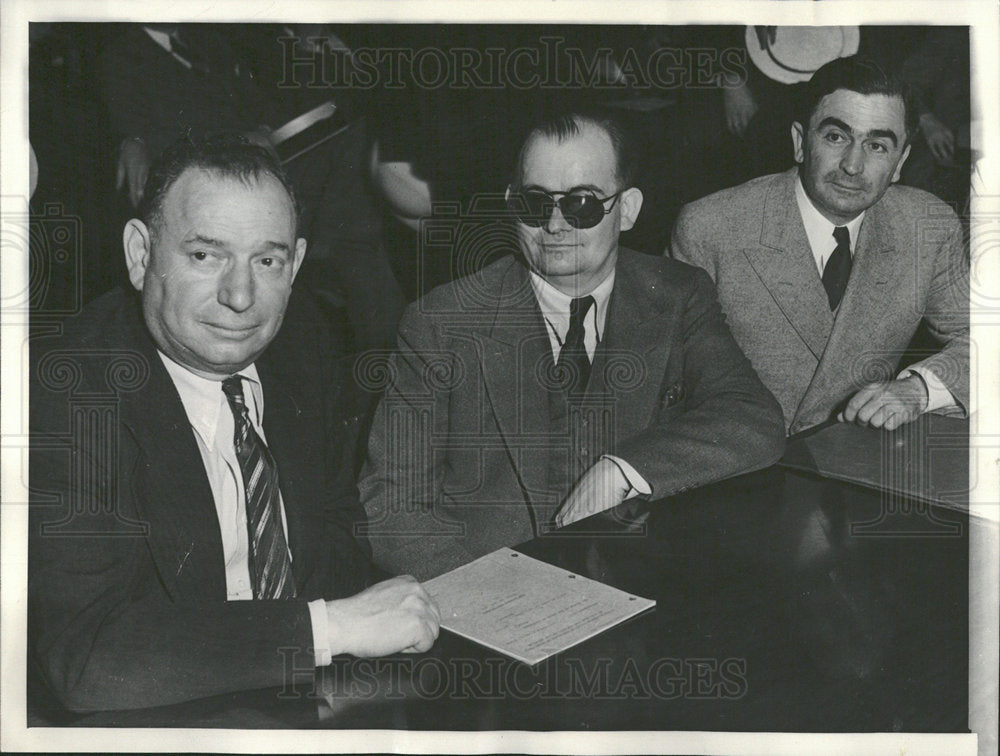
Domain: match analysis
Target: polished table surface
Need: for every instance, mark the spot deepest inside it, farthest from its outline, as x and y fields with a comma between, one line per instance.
x=924, y=461
x=775, y=612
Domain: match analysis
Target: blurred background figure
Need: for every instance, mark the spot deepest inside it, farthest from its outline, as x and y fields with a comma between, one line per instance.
x=760, y=111
x=941, y=159
x=160, y=81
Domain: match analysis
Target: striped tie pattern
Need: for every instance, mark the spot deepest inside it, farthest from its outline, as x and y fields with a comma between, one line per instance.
x=270, y=565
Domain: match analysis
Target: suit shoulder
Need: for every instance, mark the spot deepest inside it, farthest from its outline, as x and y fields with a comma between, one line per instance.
x=662, y=274
x=103, y=323
x=473, y=291
x=912, y=203
x=727, y=205
x=709, y=229
x=97, y=351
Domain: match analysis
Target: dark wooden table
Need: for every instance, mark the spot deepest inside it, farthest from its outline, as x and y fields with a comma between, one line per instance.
x=786, y=601
x=926, y=461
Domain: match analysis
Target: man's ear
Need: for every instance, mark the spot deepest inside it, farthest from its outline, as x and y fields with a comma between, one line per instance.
x=631, y=200
x=798, y=139
x=300, y=254
x=137, y=250
x=899, y=165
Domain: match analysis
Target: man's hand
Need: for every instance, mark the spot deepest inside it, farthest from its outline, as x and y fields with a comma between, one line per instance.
x=602, y=487
x=939, y=138
x=133, y=168
x=887, y=405
x=392, y=616
x=740, y=108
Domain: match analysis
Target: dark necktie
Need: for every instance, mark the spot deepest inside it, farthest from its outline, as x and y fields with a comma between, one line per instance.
x=270, y=565
x=573, y=365
x=838, y=267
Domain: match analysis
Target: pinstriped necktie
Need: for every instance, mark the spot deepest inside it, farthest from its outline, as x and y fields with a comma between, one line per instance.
x=270, y=565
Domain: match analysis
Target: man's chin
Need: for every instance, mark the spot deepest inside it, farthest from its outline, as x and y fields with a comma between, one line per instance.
x=846, y=207
x=217, y=364
x=559, y=264
x=230, y=362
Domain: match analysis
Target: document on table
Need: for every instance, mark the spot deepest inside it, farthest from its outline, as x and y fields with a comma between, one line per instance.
x=525, y=608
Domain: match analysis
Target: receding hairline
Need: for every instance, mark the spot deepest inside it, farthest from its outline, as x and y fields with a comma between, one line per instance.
x=218, y=175
x=582, y=122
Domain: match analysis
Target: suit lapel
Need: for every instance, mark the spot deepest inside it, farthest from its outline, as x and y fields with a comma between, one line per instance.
x=288, y=416
x=516, y=359
x=171, y=491
x=873, y=280
x=787, y=269
x=633, y=341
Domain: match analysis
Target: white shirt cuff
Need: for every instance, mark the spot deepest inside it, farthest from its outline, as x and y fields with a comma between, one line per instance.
x=321, y=632
x=938, y=397
x=637, y=483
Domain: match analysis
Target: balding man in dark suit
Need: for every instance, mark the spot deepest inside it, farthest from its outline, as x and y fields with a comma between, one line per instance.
x=193, y=510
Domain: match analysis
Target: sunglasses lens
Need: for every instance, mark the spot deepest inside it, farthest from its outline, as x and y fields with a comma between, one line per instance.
x=531, y=208
x=535, y=209
x=581, y=210
x=540, y=206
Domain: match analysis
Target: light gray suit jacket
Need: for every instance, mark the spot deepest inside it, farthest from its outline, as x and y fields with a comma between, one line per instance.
x=461, y=443
x=910, y=264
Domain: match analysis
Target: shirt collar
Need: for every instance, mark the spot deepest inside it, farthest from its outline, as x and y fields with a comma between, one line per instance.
x=819, y=230
x=203, y=399
x=554, y=304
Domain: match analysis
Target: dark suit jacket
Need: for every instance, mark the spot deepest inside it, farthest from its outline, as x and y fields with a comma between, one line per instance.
x=127, y=585
x=909, y=264
x=461, y=443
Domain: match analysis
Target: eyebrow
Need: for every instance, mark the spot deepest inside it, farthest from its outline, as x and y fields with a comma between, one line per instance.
x=874, y=133
x=218, y=244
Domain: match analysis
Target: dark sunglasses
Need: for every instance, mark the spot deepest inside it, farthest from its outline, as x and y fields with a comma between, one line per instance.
x=534, y=207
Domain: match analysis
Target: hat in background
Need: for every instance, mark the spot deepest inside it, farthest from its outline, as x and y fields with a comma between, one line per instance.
x=792, y=54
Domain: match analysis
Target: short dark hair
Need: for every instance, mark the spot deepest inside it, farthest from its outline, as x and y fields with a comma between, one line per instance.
x=861, y=75
x=569, y=124
x=228, y=155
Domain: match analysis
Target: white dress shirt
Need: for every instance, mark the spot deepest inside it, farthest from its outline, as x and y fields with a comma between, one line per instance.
x=212, y=421
x=819, y=231
x=555, y=310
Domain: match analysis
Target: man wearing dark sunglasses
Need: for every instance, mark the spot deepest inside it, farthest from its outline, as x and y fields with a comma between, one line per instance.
x=560, y=380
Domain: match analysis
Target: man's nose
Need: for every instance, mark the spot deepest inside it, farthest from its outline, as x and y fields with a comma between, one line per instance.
x=853, y=161
x=557, y=221
x=236, y=290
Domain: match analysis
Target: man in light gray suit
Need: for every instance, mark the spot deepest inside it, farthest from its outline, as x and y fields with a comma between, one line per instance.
x=560, y=380
x=826, y=271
